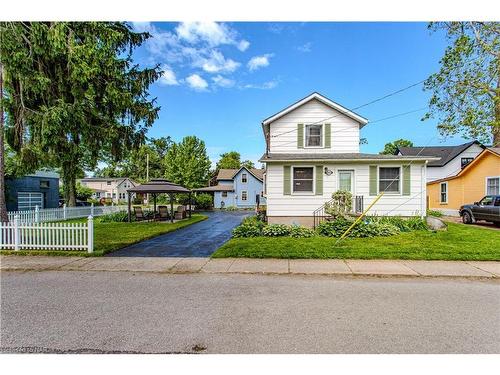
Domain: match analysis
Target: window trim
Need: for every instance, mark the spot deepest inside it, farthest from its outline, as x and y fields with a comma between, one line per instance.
x=400, y=181
x=322, y=135
x=223, y=194
x=486, y=184
x=353, y=186
x=246, y=193
x=445, y=183
x=246, y=178
x=292, y=192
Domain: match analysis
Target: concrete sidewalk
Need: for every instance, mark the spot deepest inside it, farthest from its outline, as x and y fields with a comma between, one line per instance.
x=348, y=267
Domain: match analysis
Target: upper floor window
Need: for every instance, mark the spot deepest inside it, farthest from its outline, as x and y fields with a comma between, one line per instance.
x=108, y=182
x=388, y=181
x=244, y=178
x=465, y=161
x=314, y=135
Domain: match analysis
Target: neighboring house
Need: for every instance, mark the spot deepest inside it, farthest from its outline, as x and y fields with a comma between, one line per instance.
x=242, y=188
x=479, y=178
x=39, y=189
x=114, y=188
x=312, y=150
x=451, y=160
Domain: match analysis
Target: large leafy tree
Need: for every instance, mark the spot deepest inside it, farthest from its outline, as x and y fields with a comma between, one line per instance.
x=187, y=163
x=391, y=147
x=74, y=95
x=466, y=90
x=134, y=165
x=229, y=160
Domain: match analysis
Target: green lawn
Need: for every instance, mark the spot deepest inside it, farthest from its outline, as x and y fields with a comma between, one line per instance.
x=460, y=242
x=109, y=237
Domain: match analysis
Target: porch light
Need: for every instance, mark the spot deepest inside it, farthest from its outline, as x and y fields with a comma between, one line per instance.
x=328, y=172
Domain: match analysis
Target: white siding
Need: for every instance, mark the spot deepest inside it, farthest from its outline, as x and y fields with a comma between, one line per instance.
x=304, y=205
x=454, y=166
x=345, y=130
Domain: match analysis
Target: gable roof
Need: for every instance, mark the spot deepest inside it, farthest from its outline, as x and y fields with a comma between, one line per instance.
x=487, y=150
x=228, y=174
x=444, y=153
x=323, y=99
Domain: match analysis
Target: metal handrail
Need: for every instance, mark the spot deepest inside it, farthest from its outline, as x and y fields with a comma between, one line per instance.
x=319, y=214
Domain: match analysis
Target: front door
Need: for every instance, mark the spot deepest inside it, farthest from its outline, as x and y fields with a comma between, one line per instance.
x=346, y=181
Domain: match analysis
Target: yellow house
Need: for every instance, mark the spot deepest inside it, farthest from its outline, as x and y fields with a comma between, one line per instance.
x=479, y=178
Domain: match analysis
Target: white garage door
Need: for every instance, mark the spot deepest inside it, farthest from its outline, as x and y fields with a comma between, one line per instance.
x=28, y=201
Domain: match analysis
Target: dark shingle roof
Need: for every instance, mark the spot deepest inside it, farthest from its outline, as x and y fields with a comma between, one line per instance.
x=345, y=156
x=444, y=153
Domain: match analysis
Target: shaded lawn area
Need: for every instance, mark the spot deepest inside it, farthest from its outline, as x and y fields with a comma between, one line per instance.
x=110, y=237
x=460, y=242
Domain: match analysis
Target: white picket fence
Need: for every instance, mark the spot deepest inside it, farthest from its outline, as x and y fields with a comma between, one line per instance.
x=16, y=235
x=64, y=213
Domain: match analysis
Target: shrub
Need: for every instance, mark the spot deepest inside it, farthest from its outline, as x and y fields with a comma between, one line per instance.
x=276, y=230
x=203, y=201
x=341, y=205
x=404, y=225
x=116, y=217
x=301, y=232
x=231, y=208
x=368, y=228
x=334, y=228
x=434, y=213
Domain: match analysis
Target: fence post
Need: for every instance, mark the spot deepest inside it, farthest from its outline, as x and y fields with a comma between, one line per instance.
x=16, y=233
x=64, y=211
x=37, y=214
x=90, y=232
x=92, y=209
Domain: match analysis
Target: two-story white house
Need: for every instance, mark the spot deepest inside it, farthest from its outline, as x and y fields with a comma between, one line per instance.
x=312, y=150
x=114, y=188
x=450, y=159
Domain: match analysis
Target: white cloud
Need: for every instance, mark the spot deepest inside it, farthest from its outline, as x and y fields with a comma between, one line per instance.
x=243, y=45
x=262, y=86
x=258, y=62
x=196, y=82
x=215, y=62
x=222, y=81
x=305, y=47
x=168, y=77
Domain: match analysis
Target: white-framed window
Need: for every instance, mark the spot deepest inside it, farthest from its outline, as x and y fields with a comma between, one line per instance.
x=346, y=180
x=224, y=194
x=443, y=192
x=314, y=135
x=244, y=195
x=493, y=185
x=465, y=161
x=244, y=178
x=97, y=194
x=389, y=180
x=303, y=179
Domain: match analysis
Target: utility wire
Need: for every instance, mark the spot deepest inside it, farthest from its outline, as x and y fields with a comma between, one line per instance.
x=360, y=106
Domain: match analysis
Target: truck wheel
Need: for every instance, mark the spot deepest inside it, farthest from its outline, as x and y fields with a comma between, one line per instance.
x=466, y=218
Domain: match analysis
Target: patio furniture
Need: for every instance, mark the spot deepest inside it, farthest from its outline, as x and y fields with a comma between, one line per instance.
x=162, y=214
x=180, y=213
x=139, y=214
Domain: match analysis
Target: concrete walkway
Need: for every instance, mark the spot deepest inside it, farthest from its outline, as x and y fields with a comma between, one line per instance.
x=335, y=267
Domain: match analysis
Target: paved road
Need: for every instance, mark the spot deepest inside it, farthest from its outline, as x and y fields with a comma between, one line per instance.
x=197, y=240
x=61, y=311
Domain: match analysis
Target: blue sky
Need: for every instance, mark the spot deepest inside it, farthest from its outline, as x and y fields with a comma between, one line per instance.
x=222, y=79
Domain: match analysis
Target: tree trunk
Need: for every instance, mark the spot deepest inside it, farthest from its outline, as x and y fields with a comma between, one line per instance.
x=69, y=184
x=3, y=205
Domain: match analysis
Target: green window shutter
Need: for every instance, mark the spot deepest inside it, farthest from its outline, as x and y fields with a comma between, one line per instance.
x=328, y=136
x=286, y=180
x=319, y=180
x=406, y=179
x=300, y=135
x=373, y=180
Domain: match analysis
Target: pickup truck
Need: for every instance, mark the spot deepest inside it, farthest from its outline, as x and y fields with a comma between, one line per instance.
x=487, y=209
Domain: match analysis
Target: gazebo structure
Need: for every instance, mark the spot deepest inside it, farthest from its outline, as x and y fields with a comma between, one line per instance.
x=159, y=186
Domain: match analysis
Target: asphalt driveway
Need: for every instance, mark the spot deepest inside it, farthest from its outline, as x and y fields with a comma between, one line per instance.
x=197, y=240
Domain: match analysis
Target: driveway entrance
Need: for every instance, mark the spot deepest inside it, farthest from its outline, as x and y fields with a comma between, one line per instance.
x=197, y=240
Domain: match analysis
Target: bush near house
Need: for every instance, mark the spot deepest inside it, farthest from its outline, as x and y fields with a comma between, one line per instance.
x=203, y=202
